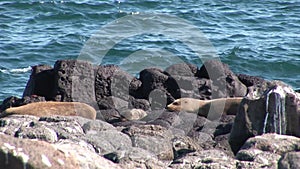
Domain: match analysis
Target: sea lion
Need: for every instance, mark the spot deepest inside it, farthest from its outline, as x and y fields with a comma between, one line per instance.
x=226, y=106
x=53, y=108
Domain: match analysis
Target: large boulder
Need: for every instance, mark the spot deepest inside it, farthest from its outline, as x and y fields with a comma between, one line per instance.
x=274, y=111
x=74, y=81
x=69, y=80
x=290, y=160
x=24, y=153
x=224, y=82
x=268, y=149
x=41, y=82
x=153, y=138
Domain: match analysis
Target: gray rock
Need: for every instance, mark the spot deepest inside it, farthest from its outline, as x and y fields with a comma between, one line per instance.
x=206, y=159
x=225, y=82
x=41, y=82
x=166, y=119
x=272, y=112
x=274, y=143
x=112, y=102
x=97, y=126
x=182, y=69
x=153, y=138
x=84, y=154
x=183, y=145
x=24, y=153
x=135, y=157
x=74, y=81
x=111, y=81
x=139, y=103
x=108, y=141
x=290, y=160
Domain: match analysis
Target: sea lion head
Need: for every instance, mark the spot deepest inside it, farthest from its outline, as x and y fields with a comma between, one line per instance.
x=184, y=104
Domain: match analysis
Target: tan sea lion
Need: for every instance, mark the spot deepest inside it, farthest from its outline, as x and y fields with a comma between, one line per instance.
x=53, y=108
x=227, y=106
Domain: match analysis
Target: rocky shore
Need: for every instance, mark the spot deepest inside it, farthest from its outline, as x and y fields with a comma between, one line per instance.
x=264, y=133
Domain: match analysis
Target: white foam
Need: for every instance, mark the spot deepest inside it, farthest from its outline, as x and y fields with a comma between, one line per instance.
x=16, y=70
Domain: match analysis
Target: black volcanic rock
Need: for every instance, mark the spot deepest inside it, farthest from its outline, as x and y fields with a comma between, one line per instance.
x=74, y=81
x=41, y=82
x=224, y=82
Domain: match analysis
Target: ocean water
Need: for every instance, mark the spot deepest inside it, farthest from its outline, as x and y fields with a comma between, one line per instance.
x=260, y=38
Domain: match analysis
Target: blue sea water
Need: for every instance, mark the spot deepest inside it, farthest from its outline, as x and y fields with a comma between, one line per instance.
x=260, y=38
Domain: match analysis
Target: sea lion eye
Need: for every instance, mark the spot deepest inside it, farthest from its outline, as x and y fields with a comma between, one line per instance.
x=176, y=103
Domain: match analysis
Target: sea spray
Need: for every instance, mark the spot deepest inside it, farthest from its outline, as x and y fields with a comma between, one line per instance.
x=275, y=119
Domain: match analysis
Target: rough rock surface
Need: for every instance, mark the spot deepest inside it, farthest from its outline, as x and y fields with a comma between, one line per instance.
x=161, y=139
x=24, y=153
x=224, y=82
x=290, y=161
x=274, y=111
x=41, y=80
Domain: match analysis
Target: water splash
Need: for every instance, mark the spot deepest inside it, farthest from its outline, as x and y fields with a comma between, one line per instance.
x=16, y=70
x=275, y=119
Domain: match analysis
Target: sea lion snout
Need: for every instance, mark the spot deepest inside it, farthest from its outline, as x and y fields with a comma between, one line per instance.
x=175, y=106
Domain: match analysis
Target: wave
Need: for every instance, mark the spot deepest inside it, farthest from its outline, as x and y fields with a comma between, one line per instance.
x=16, y=70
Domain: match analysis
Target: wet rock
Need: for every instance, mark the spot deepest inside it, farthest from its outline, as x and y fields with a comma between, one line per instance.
x=290, y=160
x=272, y=112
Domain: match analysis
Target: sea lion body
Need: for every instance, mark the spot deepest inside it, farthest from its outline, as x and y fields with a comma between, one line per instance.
x=227, y=106
x=53, y=108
